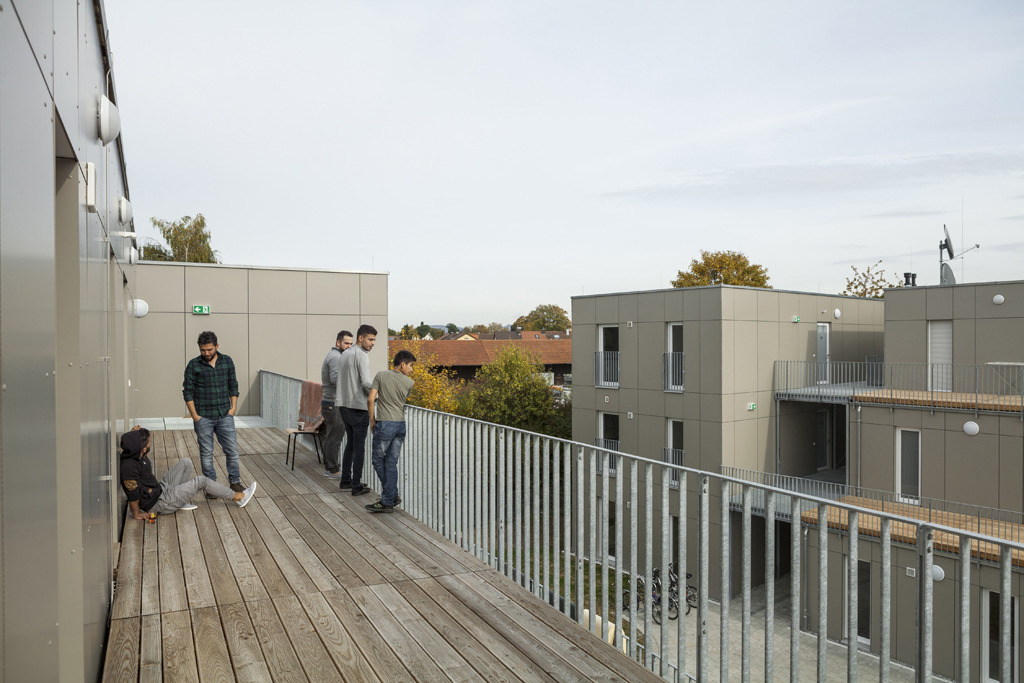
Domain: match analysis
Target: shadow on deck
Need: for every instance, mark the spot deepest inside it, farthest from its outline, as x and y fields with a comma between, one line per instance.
x=305, y=584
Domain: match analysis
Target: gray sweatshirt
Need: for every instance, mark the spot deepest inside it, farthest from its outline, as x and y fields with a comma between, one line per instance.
x=329, y=375
x=354, y=379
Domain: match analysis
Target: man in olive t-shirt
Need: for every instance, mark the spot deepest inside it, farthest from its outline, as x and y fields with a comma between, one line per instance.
x=386, y=404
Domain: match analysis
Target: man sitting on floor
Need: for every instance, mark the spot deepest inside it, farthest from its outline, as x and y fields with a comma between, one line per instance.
x=172, y=493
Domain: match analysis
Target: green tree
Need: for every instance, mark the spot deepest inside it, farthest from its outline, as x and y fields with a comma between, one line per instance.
x=723, y=268
x=408, y=332
x=511, y=391
x=870, y=282
x=544, y=317
x=452, y=328
x=422, y=329
x=188, y=241
x=392, y=333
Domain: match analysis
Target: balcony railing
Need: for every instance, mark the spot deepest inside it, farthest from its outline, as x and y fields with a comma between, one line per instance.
x=989, y=387
x=673, y=456
x=607, y=446
x=534, y=507
x=606, y=369
x=674, y=370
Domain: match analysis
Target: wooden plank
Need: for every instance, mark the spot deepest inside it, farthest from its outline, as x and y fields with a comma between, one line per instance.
x=246, y=655
x=386, y=663
x=267, y=481
x=338, y=518
x=150, y=566
x=193, y=562
x=449, y=554
x=312, y=654
x=286, y=480
x=275, y=439
x=432, y=561
x=211, y=646
x=339, y=644
x=172, y=578
x=277, y=650
x=481, y=645
x=128, y=592
x=218, y=561
x=391, y=630
x=316, y=540
x=179, y=654
x=441, y=651
x=292, y=569
x=151, y=662
x=330, y=526
x=252, y=556
x=321, y=576
x=122, y=660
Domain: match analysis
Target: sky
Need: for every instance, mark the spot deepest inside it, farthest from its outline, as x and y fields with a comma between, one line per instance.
x=491, y=156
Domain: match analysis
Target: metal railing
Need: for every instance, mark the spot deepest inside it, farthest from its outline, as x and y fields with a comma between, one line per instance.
x=534, y=508
x=674, y=370
x=606, y=369
x=673, y=456
x=990, y=387
x=607, y=446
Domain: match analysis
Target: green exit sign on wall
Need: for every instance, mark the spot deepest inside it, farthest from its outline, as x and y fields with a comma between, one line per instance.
x=200, y=310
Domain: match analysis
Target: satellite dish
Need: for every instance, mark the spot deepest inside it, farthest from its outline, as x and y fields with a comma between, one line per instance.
x=946, y=276
x=948, y=244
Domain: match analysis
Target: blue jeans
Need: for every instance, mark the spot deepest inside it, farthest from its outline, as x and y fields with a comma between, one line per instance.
x=224, y=428
x=388, y=438
x=357, y=423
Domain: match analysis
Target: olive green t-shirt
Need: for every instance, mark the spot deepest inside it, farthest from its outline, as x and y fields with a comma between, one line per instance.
x=392, y=389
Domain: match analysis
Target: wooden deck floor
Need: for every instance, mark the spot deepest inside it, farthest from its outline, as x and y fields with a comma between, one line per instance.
x=304, y=584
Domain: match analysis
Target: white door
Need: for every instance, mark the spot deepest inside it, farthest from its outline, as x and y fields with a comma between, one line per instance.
x=821, y=357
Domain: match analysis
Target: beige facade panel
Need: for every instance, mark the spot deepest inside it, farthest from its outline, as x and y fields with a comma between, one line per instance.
x=373, y=295
x=651, y=338
x=999, y=340
x=162, y=358
x=650, y=307
x=1013, y=300
x=584, y=312
x=939, y=303
x=906, y=341
x=277, y=291
x=162, y=287
x=334, y=294
x=744, y=303
x=321, y=333
x=607, y=310
x=224, y=290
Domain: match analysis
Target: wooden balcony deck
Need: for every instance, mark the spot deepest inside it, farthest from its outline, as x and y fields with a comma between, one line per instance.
x=304, y=584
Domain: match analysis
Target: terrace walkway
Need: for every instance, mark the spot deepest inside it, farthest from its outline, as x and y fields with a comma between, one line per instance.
x=304, y=584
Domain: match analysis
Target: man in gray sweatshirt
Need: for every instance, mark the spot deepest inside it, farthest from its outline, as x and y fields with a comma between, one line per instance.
x=354, y=382
x=334, y=428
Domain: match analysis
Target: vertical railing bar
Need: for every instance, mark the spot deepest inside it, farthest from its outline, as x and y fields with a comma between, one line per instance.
x=502, y=549
x=517, y=508
x=605, y=552
x=579, y=511
x=796, y=524
x=634, y=541
x=619, y=556
x=537, y=518
x=769, y=576
x=925, y=537
x=479, y=503
x=459, y=481
x=885, y=632
x=569, y=512
x=546, y=519
x=591, y=546
x=852, y=595
x=492, y=495
x=822, y=590
x=648, y=562
x=1006, y=615
x=681, y=570
x=965, y=608
x=666, y=547
x=704, y=563
x=557, y=508
x=745, y=646
x=523, y=500
x=726, y=584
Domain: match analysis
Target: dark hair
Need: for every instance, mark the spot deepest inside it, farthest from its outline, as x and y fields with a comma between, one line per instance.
x=403, y=356
x=343, y=334
x=144, y=435
x=365, y=330
x=207, y=337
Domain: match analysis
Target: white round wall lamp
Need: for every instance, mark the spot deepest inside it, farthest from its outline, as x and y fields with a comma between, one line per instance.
x=124, y=211
x=998, y=299
x=108, y=120
x=938, y=573
x=971, y=428
x=141, y=308
x=837, y=313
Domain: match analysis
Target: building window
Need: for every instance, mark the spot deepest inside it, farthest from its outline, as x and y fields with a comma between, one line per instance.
x=606, y=371
x=673, y=361
x=608, y=438
x=940, y=355
x=991, y=631
x=908, y=465
x=674, y=450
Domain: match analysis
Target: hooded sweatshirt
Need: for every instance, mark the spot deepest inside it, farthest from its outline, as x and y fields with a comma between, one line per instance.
x=137, y=478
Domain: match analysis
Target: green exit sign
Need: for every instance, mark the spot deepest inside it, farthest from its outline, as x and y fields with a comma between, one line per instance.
x=200, y=310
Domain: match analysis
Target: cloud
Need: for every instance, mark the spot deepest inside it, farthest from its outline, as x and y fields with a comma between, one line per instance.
x=836, y=175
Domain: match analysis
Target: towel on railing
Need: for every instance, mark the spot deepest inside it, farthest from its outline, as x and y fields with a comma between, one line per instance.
x=309, y=405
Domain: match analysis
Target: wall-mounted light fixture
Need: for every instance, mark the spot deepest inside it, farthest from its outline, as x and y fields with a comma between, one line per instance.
x=141, y=308
x=124, y=211
x=108, y=120
x=938, y=573
x=998, y=299
x=837, y=313
x=971, y=428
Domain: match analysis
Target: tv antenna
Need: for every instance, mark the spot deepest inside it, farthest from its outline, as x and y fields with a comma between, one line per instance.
x=946, y=276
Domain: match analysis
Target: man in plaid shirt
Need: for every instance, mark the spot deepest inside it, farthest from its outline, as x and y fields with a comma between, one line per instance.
x=210, y=390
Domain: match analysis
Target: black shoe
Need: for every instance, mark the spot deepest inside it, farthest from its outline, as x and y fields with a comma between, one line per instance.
x=345, y=485
x=398, y=500
x=360, y=490
x=238, y=487
x=380, y=507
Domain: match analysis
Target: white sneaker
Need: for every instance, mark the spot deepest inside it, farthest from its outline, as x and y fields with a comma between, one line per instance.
x=249, y=493
x=188, y=506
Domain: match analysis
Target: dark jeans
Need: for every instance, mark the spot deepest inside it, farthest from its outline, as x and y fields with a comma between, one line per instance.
x=334, y=432
x=388, y=438
x=357, y=423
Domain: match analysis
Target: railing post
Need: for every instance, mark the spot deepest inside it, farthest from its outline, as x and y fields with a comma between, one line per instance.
x=852, y=596
x=822, y=591
x=794, y=584
x=726, y=583
x=885, y=635
x=579, y=511
x=769, y=576
x=1006, y=615
x=925, y=539
x=745, y=639
x=965, y=608
x=703, y=561
x=592, y=549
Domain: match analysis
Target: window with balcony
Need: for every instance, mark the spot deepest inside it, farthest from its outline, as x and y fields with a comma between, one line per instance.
x=674, y=452
x=608, y=437
x=606, y=370
x=908, y=465
x=673, y=358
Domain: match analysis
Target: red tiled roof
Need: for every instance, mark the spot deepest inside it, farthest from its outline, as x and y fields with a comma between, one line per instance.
x=454, y=353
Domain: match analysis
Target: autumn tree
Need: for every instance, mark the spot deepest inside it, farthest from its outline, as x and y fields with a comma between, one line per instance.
x=436, y=387
x=723, y=268
x=510, y=390
x=870, y=282
x=481, y=328
x=188, y=241
x=544, y=317
x=408, y=332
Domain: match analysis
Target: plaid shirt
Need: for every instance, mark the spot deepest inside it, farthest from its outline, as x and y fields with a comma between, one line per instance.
x=210, y=387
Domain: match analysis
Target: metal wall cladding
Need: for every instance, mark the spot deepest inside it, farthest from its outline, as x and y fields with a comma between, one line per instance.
x=57, y=550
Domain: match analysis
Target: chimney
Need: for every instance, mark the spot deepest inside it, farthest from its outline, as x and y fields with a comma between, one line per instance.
x=913, y=279
x=906, y=279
